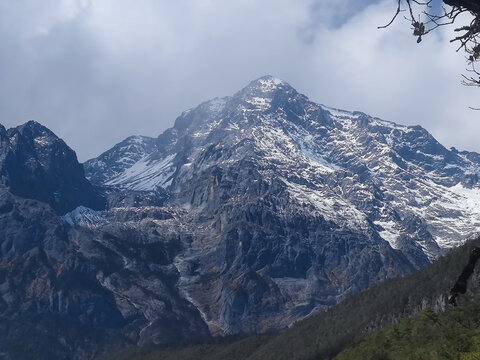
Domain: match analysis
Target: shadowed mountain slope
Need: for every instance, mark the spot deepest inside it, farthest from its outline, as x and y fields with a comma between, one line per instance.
x=36, y=164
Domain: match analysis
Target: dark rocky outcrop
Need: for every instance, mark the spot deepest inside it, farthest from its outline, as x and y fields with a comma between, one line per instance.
x=36, y=164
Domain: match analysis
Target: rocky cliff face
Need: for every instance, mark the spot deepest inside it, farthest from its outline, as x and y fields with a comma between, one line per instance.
x=71, y=293
x=252, y=212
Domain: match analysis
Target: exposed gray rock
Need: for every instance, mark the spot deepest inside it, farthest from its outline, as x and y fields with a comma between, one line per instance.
x=71, y=293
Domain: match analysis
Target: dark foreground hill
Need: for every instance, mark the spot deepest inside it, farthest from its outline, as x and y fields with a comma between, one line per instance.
x=423, y=294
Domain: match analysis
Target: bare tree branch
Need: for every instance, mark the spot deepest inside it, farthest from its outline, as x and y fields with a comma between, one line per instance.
x=423, y=21
x=394, y=17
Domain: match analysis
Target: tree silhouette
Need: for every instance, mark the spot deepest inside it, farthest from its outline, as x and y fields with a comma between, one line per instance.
x=424, y=19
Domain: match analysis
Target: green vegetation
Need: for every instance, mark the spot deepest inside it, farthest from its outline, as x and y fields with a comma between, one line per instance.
x=453, y=333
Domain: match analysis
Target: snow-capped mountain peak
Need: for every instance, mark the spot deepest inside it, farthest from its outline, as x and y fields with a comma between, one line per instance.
x=390, y=173
x=266, y=84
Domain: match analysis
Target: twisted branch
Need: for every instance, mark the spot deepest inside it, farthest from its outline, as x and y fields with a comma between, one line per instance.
x=468, y=39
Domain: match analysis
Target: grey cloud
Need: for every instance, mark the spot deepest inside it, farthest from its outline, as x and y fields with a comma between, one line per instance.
x=96, y=72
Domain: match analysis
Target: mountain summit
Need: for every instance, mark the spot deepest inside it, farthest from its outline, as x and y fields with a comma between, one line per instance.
x=266, y=85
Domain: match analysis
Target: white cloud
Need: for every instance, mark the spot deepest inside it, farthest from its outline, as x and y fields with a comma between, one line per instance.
x=98, y=71
x=386, y=73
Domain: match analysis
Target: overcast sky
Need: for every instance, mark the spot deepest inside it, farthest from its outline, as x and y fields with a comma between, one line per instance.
x=97, y=71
